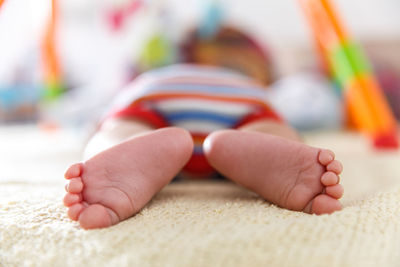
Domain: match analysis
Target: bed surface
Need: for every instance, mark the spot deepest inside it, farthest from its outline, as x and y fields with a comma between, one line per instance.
x=206, y=223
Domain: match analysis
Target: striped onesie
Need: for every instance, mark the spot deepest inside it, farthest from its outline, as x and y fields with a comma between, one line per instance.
x=197, y=98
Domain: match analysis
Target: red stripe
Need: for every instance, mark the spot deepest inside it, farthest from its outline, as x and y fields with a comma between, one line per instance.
x=198, y=164
x=259, y=115
x=141, y=113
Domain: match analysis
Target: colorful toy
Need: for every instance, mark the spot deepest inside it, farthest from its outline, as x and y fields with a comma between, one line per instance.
x=214, y=43
x=51, y=65
x=389, y=78
x=231, y=48
x=157, y=52
x=212, y=19
x=18, y=103
x=307, y=101
x=158, y=49
x=367, y=107
x=118, y=16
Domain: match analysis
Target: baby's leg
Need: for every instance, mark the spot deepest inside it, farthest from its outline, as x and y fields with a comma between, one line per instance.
x=113, y=132
x=128, y=163
x=269, y=159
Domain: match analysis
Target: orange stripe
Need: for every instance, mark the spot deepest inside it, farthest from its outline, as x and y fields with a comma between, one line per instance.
x=320, y=22
x=368, y=107
x=335, y=20
x=198, y=139
x=49, y=54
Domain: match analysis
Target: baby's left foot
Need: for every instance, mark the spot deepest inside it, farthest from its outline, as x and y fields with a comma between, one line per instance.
x=287, y=173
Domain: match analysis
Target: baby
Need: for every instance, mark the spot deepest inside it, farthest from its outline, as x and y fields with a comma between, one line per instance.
x=195, y=121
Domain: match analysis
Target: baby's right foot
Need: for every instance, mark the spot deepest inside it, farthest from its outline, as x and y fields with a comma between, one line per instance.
x=116, y=183
x=289, y=174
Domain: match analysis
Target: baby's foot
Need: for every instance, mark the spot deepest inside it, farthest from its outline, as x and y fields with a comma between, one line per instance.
x=116, y=183
x=287, y=173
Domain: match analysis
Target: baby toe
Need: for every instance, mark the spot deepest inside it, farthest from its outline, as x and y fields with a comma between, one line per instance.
x=324, y=204
x=75, y=185
x=335, y=166
x=326, y=156
x=73, y=171
x=329, y=178
x=74, y=211
x=71, y=199
x=335, y=191
x=95, y=216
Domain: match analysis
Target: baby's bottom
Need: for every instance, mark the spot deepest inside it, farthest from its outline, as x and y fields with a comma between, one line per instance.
x=128, y=162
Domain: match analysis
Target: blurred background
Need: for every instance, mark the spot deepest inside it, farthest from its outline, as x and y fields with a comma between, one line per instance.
x=62, y=60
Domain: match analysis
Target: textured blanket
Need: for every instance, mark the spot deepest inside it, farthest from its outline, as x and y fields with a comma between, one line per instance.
x=189, y=223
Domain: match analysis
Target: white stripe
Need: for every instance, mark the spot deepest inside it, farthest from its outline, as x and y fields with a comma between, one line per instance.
x=212, y=81
x=201, y=127
x=185, y=70
x=135, y=90
x=212, y=106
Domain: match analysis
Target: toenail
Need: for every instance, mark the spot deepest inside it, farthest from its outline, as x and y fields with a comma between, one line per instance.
x=66, y=187
x=326, y=157
x=330, y=157
x=329, y=178
x=335, y=166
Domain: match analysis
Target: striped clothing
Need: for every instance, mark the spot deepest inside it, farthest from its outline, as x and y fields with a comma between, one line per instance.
x=197, y=98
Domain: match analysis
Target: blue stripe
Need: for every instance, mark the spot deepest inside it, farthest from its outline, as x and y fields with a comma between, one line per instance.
x=184, y=70
x=198, y=150
x=200, y=115
x=209, y=89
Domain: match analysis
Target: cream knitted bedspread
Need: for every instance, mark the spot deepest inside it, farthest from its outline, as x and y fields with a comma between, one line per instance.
x=198, y=223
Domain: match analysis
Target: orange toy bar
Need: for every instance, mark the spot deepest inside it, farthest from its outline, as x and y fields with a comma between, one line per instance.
x=51, y=66
x=367, y=106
